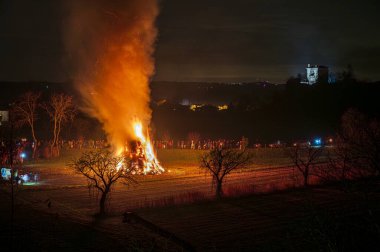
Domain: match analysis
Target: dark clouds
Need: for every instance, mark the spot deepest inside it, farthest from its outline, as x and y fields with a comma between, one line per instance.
x=31, y=46
x=210, y=39
x=264, y=39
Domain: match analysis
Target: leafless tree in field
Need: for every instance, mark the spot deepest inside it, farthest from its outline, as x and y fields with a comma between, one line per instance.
x=220, y=162
x=304, y=158
x=61, y=109
x=340, y=166
x=25, y=113
x=103, y=170
x=361, y=138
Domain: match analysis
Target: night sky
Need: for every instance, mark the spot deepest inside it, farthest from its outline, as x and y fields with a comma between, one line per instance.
x=210, y=40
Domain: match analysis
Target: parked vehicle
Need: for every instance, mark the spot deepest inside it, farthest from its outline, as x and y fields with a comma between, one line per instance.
x=19, y=176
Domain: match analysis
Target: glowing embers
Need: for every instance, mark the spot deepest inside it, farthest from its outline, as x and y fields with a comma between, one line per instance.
x=140, y=151
x=143, y=160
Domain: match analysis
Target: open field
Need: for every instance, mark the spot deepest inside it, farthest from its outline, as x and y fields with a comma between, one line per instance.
x=48, y=230
x=178, y=160
x=179, y=201
x=318, y=219
x=186, y=159
x=183, y=182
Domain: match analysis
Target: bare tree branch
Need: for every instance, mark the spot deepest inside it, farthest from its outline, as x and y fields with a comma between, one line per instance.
x=103, y=169
x=304, y=158
x=222, y=161
x=61, y=109
x=24, y=112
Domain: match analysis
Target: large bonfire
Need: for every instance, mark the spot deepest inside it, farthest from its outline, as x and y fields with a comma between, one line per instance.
x=113, y=42
x=141, y=153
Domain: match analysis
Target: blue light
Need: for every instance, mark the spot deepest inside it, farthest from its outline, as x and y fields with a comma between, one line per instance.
x=6, y=173
x=317, y=141
x=25, y=178
x=23, y=155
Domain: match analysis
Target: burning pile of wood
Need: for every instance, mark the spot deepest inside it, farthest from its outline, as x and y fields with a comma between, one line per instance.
x=143, y=160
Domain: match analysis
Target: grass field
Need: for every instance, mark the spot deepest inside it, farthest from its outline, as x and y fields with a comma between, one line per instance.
x=317, y=219
x=263, y=157
x=180, y=201
x=178, y=161
x=183, y=183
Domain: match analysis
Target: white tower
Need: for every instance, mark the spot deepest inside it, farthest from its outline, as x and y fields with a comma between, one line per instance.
x=316, y=73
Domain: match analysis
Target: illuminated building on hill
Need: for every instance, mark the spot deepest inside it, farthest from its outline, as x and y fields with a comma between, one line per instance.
x=316, y=74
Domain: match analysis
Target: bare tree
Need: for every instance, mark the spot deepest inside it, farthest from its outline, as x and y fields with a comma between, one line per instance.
x=340, y=165
x=220, y=162
x=356, y=153
x=61, y=110
x=304, y=158
x=25, y=113
x=103, y=170
x=361, y=138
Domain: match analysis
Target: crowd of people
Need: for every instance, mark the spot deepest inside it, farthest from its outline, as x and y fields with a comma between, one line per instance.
x=18, y=152
x=160, y=144
x=200, y=144
x=24, y=149
x=83, y=144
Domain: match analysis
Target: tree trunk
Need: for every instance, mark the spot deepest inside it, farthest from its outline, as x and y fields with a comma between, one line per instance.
x=219, y=189
x=34, y=140
x=58, y=134
x=306, y=178
x=58, y=149
x=102, y=204
x=54, y=142
x=34, y=150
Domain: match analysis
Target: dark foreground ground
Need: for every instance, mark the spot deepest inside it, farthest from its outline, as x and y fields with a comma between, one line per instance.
x=35, y=230
x=322, y=218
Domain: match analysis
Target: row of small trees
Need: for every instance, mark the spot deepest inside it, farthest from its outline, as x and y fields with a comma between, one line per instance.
x=357, y=150
x=103, y=169
x=59, y=107
x=355, y=155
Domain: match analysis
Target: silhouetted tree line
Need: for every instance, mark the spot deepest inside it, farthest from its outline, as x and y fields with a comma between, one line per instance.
x=357, y=150
x=355, y=154
x=294, y=112
x=262, y=112
x=24, y=113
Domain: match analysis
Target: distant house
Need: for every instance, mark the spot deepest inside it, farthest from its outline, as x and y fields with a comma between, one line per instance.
x=316, y=74
x=4, y=116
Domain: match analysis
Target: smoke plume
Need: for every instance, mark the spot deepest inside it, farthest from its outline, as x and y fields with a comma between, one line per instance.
x=110, y=44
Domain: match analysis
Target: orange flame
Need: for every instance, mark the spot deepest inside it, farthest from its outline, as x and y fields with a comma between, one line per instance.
x=150, y=162
x=112, y=43
x=144, y=160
